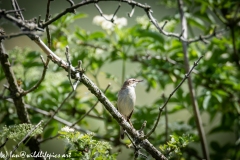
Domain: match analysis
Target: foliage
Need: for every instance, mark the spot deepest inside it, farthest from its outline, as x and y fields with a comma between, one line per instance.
x=19, y=131
x=174, y=146
x=84, y=147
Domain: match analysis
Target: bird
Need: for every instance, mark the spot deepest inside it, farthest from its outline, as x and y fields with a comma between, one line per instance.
x=126, y=100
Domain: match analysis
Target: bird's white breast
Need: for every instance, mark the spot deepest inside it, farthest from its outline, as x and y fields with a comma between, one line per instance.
x=126, y=100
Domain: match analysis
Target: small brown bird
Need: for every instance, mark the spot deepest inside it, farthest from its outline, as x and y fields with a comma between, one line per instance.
x=126, y=100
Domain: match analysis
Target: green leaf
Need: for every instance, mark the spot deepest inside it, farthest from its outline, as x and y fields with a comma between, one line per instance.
x=154, y=35
x=79, y=15
x=196, y=22
x=48, y=132
x=215, y=146
x=96, y=35
x=206, y=101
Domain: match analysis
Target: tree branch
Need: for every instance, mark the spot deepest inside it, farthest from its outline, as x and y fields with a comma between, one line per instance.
x=190, y=85
x=101, y=97
x=27, y=136
x=45, y=64
x=32, y=26
x=13, y=35
x=15, y=92
x=46, y=19
x=18, y=13
x=170, y=95
x=117, y=116
x=89, y=109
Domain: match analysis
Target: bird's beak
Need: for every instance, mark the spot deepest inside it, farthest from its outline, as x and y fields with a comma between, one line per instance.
x=139, y=81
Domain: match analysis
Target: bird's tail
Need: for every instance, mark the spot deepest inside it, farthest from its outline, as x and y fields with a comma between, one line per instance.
x=121, y=133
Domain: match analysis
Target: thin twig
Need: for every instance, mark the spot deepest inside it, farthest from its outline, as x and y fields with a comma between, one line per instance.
x=29, y=133
x=69, y=68
x=16, y=7
x=72, y=4
x=166, y=120
x=203, y=38
x=146, y=8
x=99, y=9
x=13, y=35
x=89, y=109
x=171, y=94
x=93, y=46
x=58, y=108
x=112, y=19
x=101, y=13
x=136, y=148
x=4, y=143
x=130, y=140
x=46, y=19
x=14, y=11
x=132, y=11
x=164, y=24
x=3, y=91
x=45, y=64
x=25, y=25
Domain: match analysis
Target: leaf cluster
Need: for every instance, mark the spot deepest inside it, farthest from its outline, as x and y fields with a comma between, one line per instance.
x=83, y=146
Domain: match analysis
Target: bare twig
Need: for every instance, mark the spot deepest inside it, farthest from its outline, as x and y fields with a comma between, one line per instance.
x=46, y=19
x=101, y=13
x=132, y=11
x=166, y=120
x=13, y=35
x=133, y=3
x=3, y=91
x=4, y=143
x=14, y=11
x=179, y=36
x=72, y=4
x=18, y=13
x=45, y=64
x=119, y=5
x=99, y=9
x=25, y=25
x=90, y=108
x=132, y=143
x=136, y=148
x=69, y=66
x=93, y=46
x=171, y=94
x=70, y=9
x=27, y=136
x=60, y=106
x=141, y=132
x=203, y=38
x=164, y=24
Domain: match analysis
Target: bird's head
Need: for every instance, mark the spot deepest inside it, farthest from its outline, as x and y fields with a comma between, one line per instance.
x=131, y=82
